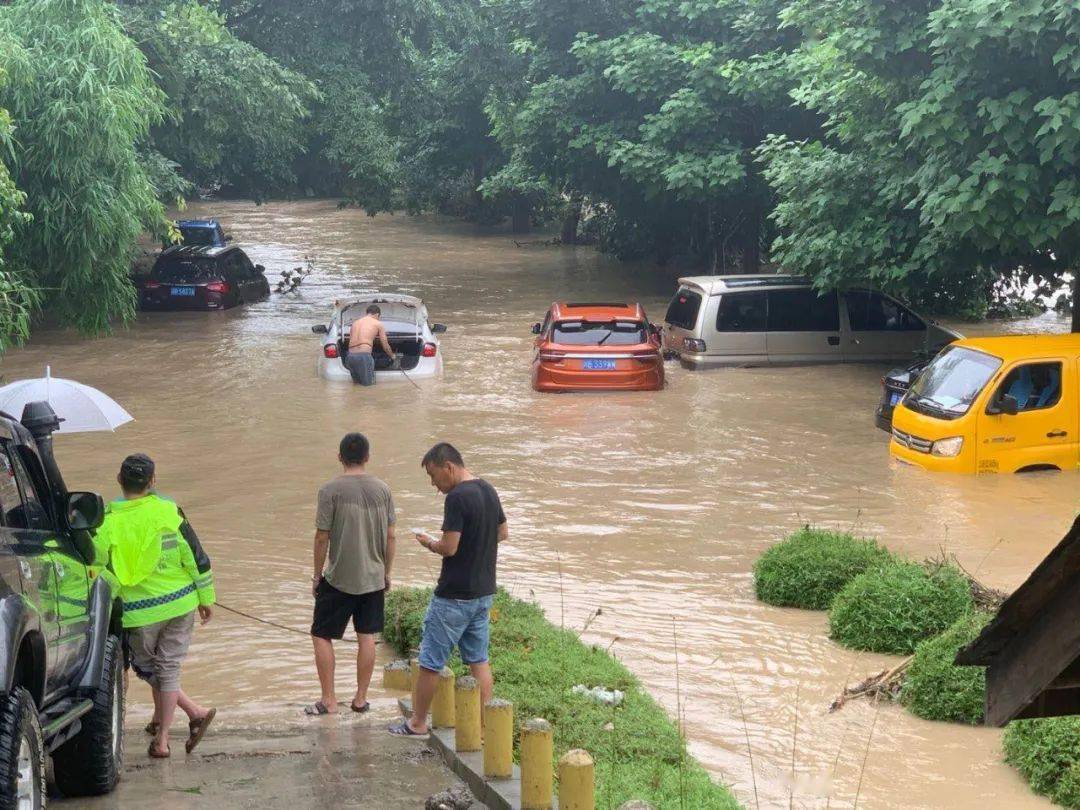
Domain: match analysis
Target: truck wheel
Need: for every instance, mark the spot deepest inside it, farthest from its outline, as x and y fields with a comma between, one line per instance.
x=89, y=763
x=22, y=753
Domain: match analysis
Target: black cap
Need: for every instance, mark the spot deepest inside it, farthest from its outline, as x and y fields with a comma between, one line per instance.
x=138, y=468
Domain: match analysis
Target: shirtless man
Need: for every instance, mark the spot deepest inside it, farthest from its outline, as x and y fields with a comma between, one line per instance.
x=362, y=336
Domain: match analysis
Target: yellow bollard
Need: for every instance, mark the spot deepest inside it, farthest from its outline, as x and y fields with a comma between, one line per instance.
x=442, y=707
x=576, y=781
x=499, y=739
x=467, y=715
x=536, y=771
x=395, y=675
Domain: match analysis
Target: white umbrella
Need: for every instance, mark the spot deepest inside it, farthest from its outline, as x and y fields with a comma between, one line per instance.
x=80, y=407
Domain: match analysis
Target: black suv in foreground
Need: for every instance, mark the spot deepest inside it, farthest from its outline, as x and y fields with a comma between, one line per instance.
x=202, y=277
x=61, y=663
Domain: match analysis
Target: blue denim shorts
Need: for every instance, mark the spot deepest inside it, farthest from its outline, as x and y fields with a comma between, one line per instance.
x=455, y=622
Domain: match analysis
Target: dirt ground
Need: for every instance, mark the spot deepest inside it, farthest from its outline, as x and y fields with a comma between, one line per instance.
x=329, y=762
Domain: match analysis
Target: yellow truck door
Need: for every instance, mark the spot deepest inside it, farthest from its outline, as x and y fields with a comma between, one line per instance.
x=1042, y=434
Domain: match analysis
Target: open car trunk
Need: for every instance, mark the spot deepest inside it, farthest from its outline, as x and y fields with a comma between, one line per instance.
x=406, y=347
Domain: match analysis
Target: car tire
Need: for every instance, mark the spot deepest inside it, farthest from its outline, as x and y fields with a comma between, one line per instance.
x=22, y=753
x=89, y=763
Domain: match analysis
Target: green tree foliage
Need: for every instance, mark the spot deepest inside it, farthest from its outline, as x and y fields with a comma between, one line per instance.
x=891, y=609
x=951, y=157
x=81, y=97
x=935, y=688
x=235, y=116
x=810, y=567
x=17, y=298
x=1047, y=753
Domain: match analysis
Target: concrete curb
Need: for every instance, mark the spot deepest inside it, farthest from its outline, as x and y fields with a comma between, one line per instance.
x=497, y=794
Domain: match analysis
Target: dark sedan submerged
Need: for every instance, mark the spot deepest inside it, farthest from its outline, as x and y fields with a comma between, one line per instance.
x=202, y=277
x=893, y=387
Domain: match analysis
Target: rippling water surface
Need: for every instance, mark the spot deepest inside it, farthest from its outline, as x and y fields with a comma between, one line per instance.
x=650, y=507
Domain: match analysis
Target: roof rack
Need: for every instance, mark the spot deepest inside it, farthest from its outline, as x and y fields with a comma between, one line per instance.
x=622, y=305
x=773, y=281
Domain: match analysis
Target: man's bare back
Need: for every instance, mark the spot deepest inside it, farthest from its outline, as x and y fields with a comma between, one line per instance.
x=365, y=331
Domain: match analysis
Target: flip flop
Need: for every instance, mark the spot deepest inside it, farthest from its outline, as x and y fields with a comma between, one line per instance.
x=360, y=709
x=402, y=729
x=155, y=754
x=197, y=728
x=316, y=709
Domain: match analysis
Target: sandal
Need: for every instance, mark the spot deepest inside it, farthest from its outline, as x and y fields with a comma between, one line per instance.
x=360, y=709
x=197, y=728
x=152, y=728
x=402, y=729
x=156, y=754
x=316, y=709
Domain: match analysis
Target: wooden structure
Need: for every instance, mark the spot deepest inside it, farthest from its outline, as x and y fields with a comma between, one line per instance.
x=1031, y=649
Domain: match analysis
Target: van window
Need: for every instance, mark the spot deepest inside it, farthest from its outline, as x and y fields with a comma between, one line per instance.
x=741, y=312
x=1033, y=386
x=803, y=311
x=683, y=309
x=873, y=312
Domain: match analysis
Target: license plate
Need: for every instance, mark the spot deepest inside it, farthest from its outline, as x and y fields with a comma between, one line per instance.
x=190, y=291
x=894, y=397
x=598, y=365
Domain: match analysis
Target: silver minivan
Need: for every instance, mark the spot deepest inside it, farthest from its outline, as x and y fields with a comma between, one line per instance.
x=781, y=320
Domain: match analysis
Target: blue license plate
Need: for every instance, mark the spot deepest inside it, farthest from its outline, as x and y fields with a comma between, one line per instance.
x=894, y=397
x=598, y=365
x=190, y=291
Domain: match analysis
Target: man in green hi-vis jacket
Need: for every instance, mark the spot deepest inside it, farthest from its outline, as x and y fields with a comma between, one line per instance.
x=164, y=577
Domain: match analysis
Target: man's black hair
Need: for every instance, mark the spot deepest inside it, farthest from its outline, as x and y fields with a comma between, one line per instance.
x=442, y=453
x=373, y=309
x=354, y=449
x=135, y=472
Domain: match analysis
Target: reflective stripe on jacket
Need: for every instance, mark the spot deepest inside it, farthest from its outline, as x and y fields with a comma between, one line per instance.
x=152, y=559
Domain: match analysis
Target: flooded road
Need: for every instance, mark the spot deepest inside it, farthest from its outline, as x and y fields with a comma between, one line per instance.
x=651, y=507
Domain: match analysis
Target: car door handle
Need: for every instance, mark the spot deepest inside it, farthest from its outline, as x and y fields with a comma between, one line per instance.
x=1057, y=434
x=834, y=340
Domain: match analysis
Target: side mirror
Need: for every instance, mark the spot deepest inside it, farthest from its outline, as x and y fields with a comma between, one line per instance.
x=536, y=329
x=438, y=328
x=320, y=329
x=228, y=237
x=1005, y=406
x=85, y=511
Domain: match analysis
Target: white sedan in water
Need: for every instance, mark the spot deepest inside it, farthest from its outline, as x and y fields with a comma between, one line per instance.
x=412, y=338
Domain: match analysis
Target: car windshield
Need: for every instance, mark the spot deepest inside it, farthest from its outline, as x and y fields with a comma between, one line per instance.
x=951, y=382
x=599, y=333
x=187, y=271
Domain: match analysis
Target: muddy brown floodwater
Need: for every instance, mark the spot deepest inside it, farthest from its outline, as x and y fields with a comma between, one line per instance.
x=651, y=506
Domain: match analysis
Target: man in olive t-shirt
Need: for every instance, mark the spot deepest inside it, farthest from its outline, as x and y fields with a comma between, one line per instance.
x=354, y=551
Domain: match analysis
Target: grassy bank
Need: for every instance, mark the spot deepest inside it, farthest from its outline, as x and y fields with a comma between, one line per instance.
x=1047, y=753
x=638, y=750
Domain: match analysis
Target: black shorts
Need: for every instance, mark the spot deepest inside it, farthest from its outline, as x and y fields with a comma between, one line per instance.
x=333, y=608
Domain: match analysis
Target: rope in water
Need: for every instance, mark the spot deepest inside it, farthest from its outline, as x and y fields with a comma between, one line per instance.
x=272, y=624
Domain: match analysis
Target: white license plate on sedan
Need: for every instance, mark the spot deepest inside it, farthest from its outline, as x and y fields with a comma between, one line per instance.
x=598, y=365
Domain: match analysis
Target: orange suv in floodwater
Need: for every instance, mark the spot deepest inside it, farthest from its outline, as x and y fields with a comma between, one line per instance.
x=588, y=347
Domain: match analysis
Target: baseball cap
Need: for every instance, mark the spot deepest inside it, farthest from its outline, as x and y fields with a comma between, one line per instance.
x=138, y=468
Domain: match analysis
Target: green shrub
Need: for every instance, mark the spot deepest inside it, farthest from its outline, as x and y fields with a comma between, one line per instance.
x=937, y=689
x=1047, y=753
x=810, y=567
x=891, y=609
x=638, y=751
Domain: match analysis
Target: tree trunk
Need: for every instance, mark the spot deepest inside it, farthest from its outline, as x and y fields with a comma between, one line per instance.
x=478, y=178
x=521, y=215
x=751, y=243
x=1076, y=298
x=572, y=220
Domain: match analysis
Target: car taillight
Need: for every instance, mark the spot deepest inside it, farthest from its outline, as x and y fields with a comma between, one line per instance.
x=430, y=350
x=330, y=350
x=220, y=287
x=552, y=357
x=151, y=285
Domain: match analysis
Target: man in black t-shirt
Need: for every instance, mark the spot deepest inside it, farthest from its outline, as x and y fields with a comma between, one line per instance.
x=473, y=526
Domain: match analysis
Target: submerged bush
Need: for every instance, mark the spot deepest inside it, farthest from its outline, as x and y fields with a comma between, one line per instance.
x=810, y=567
x=1047, y=753
x=891, y=609
x=937, y=689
